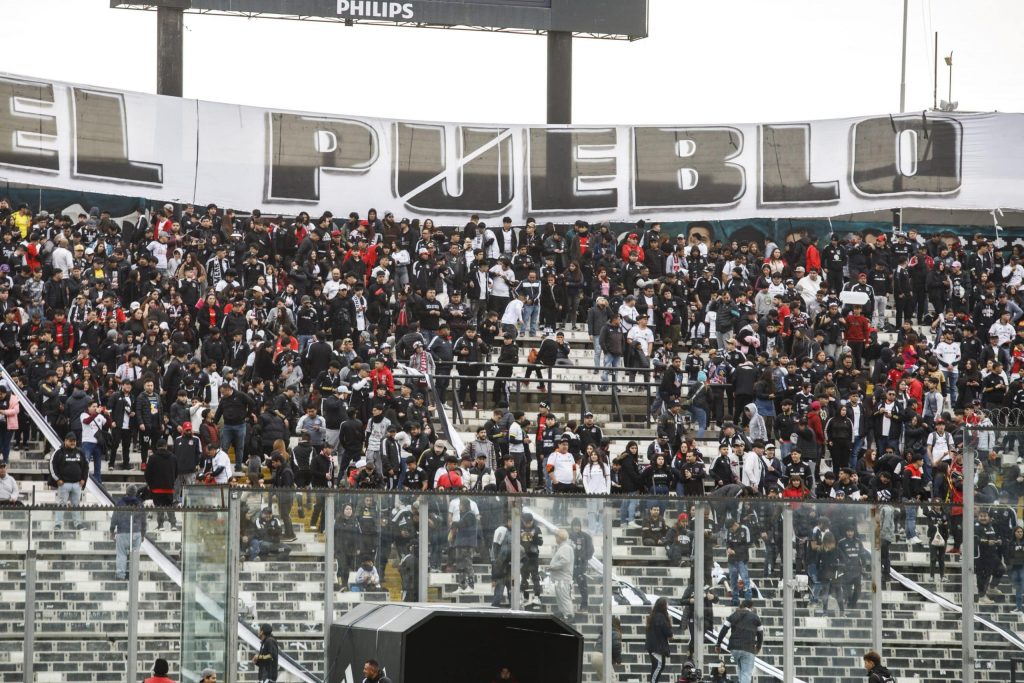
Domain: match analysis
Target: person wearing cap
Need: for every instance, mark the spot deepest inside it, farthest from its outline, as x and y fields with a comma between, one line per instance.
x=207, y=675
x=69, y=469
x=188, y=454
x=127, y=527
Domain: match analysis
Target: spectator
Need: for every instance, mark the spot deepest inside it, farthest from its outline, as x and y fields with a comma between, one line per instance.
x=161, y=474
x=68, y=470
x=160, y=670
x=657, y=637
x=745, y=642
x=127, y=528
x=8, y=487
x=266, y=659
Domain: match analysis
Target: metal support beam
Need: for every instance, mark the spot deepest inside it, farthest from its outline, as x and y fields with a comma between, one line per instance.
x=133, y=608
x=607, y=515
x=28, y=662
x=424, y=549
x=877, y=583
x=559, y=77
x=697, y=574
x=903, y=67
x=170, y=62
x=516, y=599
x=231, y=609
x=328, y=574
x=967, y=570
x=788, y=615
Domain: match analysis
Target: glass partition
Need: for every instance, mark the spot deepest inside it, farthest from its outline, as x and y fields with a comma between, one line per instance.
x=205, y=581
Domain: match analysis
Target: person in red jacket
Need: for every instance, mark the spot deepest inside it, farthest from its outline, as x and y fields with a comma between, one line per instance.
x=632, y=245
x=817, y=425
x=381, y=375
x=813, y=256
x=858, y=331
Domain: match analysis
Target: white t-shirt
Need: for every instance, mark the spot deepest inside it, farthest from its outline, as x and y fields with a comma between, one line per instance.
x=563, y=464
x=644, y=336
x=513, y=314
x=499, y=287
x=159, y=251
x=222, y=460
x=89, y=429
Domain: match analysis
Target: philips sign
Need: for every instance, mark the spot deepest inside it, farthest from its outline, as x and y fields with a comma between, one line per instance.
x=375, y=9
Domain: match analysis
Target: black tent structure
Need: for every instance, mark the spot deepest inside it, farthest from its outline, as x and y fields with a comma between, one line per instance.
x=429, y=643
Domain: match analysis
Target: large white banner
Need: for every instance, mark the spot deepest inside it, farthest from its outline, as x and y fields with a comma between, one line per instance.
x=167, y=149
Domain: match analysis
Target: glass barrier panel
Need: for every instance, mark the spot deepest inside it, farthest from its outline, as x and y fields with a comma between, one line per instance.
x=205, y=581
x=14, y=542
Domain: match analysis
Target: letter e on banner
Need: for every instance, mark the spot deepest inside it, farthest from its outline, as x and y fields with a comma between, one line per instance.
x=572, y=169
x=453, y=168
x=686, y=167
x=28, y=128
x=786, y=168
x=101, y=140
x=300, y=147
x=907, y=155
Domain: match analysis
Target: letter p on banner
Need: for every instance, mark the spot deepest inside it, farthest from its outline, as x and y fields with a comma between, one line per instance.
x=300, y=147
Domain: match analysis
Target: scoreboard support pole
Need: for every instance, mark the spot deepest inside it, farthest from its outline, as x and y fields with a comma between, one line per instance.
x=170, y=61
x=559, y=77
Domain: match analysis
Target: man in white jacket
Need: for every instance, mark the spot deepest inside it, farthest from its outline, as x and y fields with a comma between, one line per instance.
x=753, y=466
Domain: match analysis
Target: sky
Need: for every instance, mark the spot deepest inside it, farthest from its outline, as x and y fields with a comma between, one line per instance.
x=704, y=62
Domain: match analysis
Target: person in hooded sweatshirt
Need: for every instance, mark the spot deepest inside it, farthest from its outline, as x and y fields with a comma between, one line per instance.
x=757, y=427
x=876, y=672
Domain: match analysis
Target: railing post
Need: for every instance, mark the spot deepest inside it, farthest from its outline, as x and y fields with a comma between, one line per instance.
x=329, y=575
x=877, y=581
x=231, y=608
x=548, y=386
x=698, y=587
x=606, y=588
x=423, y=586
x=28, y=647
x=788, y=615
x=516, y=599
x=133, y=605
x=967, y=569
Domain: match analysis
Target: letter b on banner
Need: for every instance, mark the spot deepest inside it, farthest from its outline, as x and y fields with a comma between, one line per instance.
x=687, y=167
x=300, y=147
x=907, y=155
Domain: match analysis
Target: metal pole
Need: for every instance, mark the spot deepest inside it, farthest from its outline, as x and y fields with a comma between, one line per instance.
x=967, y=571
x=935, y=76
x=788, y=616
x=170, y=68
x=231, y=609
x=606, y=588
x=559, y=77
x=423, y=587
x=698, y=587
x=516, y=599
x=903, y=62
x=28, y=647
x=133, y=605
x=876, y=582
x=329, y=574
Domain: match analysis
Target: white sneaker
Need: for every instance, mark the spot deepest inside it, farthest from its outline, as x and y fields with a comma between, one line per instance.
x=914, y=540
x=985, y=600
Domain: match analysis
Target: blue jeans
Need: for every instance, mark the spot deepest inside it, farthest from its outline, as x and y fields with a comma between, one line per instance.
x=911, y=525
x=303, y=342
x=737, y=571
x=234, y=435
x=125, y=543
x=744, y=665
x=531, y=318
x=951, y=378
x=610, y=361
x=627, y=510
x=1017, y=581
x=92, y=452
x=69, y=494
x=597, y=351
x=858, y=446
x=812, y=579
x=700, y=416
x=256, y=546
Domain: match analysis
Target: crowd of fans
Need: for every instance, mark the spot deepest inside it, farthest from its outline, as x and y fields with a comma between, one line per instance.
x=195, y=343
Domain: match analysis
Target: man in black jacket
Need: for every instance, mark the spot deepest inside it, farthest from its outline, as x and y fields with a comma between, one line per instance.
x=234, y=407
x=122, y=416
x=507, y=358
x=266, y=659
x=746, y=640
x=876, y=672
x=150, y=419
x=68, y=468
x=283, y=479
x=613, y=345
x=161, y=473
x=188, y=453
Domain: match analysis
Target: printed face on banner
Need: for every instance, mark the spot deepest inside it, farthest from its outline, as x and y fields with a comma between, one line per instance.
x=167, y=149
